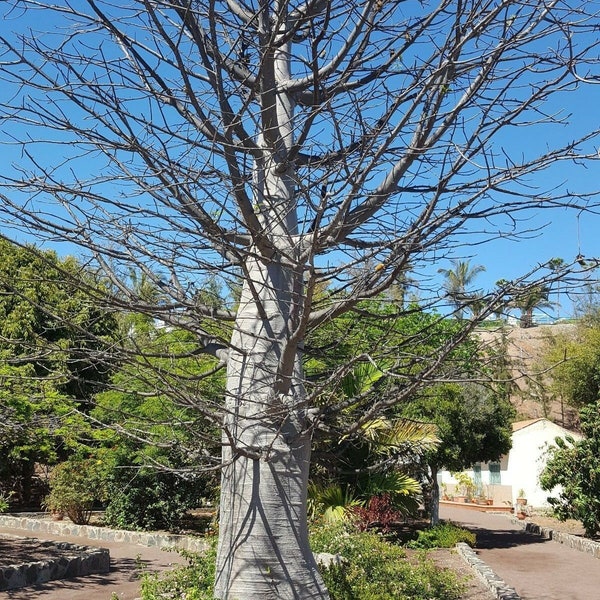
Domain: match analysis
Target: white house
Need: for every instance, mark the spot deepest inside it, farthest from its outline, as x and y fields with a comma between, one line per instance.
x=520, y=468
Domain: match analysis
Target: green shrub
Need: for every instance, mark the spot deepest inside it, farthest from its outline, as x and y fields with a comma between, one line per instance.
x=75, y=486
x=5, y=501
x=193, y=581
x=149, y=500
x=375, y=569
x=443, y=535
x=379, y=570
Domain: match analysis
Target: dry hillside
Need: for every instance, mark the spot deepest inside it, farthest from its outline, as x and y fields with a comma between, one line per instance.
x=525, y=348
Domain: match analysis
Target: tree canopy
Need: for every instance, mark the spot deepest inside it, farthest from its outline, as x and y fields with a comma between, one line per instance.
x=284, y=148
x=53, y=341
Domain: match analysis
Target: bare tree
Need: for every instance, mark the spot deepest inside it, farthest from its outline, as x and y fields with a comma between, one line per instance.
x=289, y=146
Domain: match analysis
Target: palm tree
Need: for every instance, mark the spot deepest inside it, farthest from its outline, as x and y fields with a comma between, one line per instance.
x=382, y=442
x=370, y=462
x=556, y=265
x=458, y=279
x=530, y=299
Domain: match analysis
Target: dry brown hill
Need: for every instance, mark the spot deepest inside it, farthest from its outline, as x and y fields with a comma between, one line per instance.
x=525, y=348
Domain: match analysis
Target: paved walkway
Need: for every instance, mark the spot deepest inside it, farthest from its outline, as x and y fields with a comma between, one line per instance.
x=537, y=569
x=122, y=580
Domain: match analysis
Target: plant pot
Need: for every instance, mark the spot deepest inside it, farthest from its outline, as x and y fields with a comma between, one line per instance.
x=490, y=501
x=521, y=516
x=522, y=501
x=57, y=515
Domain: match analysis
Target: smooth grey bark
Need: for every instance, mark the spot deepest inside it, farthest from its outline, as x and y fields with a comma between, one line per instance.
x=263, y=543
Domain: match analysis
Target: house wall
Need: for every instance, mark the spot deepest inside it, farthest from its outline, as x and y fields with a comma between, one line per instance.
x=521, y=468
x=500, y=493
x=527, y=459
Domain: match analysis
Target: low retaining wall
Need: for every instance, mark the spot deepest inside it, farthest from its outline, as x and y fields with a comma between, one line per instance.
x=573, y=541
x=495, y=508
x=496, y=585
x=92, y=532
x=74, y=561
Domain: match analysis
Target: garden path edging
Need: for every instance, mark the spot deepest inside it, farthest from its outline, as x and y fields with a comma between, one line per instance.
x=496, y=585
x=92, y=532
x=576, y=542
x=75, y=561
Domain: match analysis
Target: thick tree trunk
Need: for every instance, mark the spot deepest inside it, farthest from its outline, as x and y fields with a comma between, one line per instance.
x=263, y=536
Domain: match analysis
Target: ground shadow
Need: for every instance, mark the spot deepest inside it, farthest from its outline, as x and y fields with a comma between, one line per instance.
x=504, y=538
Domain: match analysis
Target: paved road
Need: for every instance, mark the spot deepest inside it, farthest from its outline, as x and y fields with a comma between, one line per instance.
x=537, y=569
x=122, y=580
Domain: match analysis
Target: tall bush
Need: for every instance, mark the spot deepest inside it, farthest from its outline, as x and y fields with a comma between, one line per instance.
x=75, y=486
x=573, y=465
x=147, y=499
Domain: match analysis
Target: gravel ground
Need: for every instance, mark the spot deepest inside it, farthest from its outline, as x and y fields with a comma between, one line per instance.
x=569, y=526
x=475, y=589
x=15, y=550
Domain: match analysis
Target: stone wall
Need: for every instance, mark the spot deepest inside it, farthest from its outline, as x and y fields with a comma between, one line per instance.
x=157, y=539
x=74, y=561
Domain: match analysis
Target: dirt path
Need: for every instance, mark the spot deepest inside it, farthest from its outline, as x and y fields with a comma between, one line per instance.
x=537, y=569
x=122, y=580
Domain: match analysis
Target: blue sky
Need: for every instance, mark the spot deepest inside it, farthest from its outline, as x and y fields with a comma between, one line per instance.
x=563, y=233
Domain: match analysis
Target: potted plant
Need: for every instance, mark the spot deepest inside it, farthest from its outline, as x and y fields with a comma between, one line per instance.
x=521, y=511
x=466, y=486
x=444, y=488
x=521, y=507
x=521, y=500
x=74, y=487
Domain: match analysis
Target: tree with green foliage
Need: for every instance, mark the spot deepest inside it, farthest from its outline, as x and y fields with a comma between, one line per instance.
x=529, y=300
x=280, y=146
x=573, y=465
x=49, y=320
x=53, y=341
x=573, y=358
x=150, y=440
x=473, y=421
x=474, y=425
x=457, y=280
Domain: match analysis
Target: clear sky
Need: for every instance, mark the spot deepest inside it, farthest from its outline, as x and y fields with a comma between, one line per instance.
x=560, y=233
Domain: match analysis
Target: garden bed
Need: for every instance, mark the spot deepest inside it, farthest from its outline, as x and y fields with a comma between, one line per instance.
x=28, y=561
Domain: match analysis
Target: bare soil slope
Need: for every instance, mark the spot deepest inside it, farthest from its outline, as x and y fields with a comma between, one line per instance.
x=525, y=349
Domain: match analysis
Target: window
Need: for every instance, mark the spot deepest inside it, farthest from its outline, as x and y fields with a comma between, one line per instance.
x=495, y=478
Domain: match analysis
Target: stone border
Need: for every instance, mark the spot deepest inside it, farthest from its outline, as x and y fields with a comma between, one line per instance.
x=77, y=561
x=141, y=538
x=576, y=542
x=496, y=585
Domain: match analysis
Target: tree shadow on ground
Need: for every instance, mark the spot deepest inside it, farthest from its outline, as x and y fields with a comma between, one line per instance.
x=504, y=538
